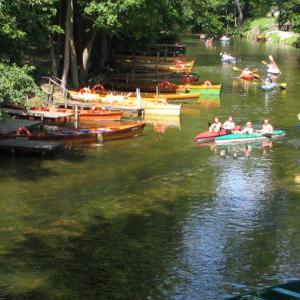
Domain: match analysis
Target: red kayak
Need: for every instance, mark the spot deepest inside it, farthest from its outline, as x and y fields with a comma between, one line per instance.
x=208, y=136
x=247, y=77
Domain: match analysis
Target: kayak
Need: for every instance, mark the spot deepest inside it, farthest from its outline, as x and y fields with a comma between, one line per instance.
x=247, y=77
x=268, y=87
x=247, y=138
x=225, y=39
x=228, y=58
x=208, y=136
x=289, y=290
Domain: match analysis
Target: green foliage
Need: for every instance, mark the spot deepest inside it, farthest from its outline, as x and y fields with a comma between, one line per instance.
x=16, y=84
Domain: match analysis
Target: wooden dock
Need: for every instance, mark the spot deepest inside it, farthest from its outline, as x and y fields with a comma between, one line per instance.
x=27, y=146
x=40, y=114
x=10, y=126
x=128, y=110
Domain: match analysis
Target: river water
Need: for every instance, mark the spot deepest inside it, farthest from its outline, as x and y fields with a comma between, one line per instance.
x=156, y=217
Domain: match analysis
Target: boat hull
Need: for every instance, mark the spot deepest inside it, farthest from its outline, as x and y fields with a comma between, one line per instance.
x=105, y=133
x=202, y=89
x=247, y=138
x=208, y=136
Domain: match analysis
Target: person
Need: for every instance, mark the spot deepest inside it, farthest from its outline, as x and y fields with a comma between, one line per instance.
x=248, y=129
x=268, y=80
x=267, y=127
x=216, y=126
x=246, y=72
x=229, y=125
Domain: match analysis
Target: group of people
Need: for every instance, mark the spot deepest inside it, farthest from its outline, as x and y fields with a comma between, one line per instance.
x=229, y=126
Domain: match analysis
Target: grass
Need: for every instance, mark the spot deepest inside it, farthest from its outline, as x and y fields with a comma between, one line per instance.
x=263, y=24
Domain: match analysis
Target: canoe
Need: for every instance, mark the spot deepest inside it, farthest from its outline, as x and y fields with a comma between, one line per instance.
x=178, y=67
x=153, y=108
x=204, y=89
x=268, y=87
x=208, y=136
x=93, y=114
x=290, y=290
x=105, y=132
x=247, y=138
x=160, y=58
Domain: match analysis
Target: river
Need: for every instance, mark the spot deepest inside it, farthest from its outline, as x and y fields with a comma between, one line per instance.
x=156, y=217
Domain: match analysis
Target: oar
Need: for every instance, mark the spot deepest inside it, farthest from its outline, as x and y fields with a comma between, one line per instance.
x=264, y=62
x=254, y=71
x=273, y=61
x=237, y=69
x=282, y=85
x=256, y=76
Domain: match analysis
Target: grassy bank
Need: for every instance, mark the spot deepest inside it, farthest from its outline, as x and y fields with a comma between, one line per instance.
x=267, y=29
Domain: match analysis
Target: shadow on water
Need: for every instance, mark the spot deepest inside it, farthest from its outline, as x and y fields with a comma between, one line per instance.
x=31, y=167
x=123, y=257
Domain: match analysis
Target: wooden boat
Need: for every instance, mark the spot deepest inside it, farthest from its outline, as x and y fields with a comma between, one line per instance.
x=150, y=107
x=285, y=291
x=104, y=133
x=93, y=114
x=153, y=58
x=154, y=97
x=178, y=67
x=205, y=89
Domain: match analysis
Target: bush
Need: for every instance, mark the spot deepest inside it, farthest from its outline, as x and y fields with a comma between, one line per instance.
x=16, y=84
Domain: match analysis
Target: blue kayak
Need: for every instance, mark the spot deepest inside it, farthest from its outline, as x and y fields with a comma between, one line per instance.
x=247, y=138
x=268, y=87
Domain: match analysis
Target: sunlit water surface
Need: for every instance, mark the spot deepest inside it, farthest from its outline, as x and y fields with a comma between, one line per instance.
x=156, y=217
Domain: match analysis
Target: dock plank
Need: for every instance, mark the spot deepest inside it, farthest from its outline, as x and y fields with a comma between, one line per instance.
x=10, y=126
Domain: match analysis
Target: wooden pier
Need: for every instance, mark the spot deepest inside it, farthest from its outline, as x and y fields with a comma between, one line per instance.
x=10, y=126
x=40, y=114
x=27, y=146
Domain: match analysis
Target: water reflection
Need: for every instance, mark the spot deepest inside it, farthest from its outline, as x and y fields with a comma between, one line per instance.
x=162, y=123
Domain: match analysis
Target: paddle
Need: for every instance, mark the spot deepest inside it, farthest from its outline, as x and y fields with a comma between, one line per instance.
x=282, y=85
x=254, y=71
x=237, y=69
x=264, y=62
x=273, y=62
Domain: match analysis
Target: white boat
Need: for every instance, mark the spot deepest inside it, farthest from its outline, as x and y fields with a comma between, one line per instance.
x=85, y=97
x=225, y=38
x=164, y=109
x=228, y=58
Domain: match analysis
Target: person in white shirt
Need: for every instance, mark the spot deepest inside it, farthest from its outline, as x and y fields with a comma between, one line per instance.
x=248, y=129
x=229, y=125
x=216, y=126
x=267, y=127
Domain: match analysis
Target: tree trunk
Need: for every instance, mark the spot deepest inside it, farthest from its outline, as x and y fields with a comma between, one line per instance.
x=74, y=66
x=86, y=55
x=53, y=58
x=67, y=44
x=240, y=11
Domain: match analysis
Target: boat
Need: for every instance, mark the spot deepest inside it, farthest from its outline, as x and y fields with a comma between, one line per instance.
x=91, y=114
x=247, y=138
x=248, y=77
x=207, y=88
x=226, y=58
x=149, y=107
x=285, y=291
x=177, y=67
x=105, y=132
x=153, y=58
x=225, y=38
x=208, y=136
x=84, y=96
x=268, y=86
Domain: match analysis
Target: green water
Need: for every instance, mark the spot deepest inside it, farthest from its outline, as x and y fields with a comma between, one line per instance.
x=156, y=217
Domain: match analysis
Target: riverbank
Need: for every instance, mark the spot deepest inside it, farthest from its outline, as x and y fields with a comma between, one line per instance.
x=266, y=29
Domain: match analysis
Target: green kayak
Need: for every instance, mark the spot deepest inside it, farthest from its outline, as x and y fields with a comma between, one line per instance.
x=290, y=290
x=247, y=138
